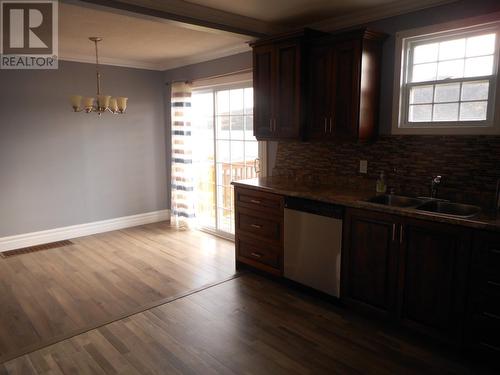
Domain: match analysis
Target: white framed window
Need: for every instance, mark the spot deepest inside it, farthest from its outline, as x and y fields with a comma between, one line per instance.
x=446, y=79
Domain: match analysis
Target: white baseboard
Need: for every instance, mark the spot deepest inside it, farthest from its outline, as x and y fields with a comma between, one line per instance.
x=65, y=233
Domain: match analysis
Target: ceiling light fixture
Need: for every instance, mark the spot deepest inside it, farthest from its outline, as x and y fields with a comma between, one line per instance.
x=101, y=103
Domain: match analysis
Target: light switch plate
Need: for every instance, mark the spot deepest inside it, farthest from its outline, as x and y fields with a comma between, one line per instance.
x=363, y=166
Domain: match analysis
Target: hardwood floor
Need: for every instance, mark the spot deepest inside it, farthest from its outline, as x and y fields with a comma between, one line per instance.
x=248, y=325
x=48, y=295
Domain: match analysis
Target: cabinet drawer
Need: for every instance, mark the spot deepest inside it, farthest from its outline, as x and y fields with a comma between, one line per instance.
x=256, y=224
x=259, y=253
x=259, y=200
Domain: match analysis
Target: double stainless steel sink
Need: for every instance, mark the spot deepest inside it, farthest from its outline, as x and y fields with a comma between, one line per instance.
x=436, y=206
x=396, y=200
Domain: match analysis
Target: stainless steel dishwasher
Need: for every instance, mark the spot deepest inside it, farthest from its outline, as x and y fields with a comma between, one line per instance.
x=313, y=242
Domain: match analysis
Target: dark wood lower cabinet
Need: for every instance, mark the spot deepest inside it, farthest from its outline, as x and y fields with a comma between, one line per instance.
x=483, y=325
x=369, y=261
x=434, y=262
x=259, y=230
x=413, y=272
x=433, y=278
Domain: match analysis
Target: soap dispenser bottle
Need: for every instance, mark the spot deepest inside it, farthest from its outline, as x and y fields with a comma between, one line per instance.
x=381, y=186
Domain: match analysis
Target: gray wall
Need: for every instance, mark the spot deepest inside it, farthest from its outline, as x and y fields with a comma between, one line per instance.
x=60, y=168
x=431, y=16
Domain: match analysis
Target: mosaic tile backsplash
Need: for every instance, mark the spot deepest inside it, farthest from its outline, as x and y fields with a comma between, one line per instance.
x=470, y=165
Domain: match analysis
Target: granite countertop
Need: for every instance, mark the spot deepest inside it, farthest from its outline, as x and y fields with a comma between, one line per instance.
x=349, y=195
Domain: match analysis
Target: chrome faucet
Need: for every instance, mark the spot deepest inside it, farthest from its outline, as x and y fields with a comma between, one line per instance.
x=436, y=181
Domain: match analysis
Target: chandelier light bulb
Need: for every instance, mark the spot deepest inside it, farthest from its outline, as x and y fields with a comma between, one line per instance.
x=76, y=102
x=122, y=104
x=113, y=105
x=101, y=103
x=88, y=104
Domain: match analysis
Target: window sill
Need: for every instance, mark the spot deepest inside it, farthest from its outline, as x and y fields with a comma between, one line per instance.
x=447, y=130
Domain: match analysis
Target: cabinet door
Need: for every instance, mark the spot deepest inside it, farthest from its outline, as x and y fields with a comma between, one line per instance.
x=369, y=261
x=345, y=99
x=263, y=88
x=483, y=320
x=319, y=92
x=287, y=98
x=433, y=272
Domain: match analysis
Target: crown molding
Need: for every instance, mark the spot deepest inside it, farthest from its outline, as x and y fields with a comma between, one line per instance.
x=110, y=61
x=163, y=65
x=376, y=13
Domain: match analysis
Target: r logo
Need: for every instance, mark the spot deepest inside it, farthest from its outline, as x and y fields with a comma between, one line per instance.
x=27, y=28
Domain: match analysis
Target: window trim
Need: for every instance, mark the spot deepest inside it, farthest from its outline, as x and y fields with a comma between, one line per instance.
x=401, y=90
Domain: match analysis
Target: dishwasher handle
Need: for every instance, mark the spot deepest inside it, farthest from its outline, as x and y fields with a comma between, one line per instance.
x=314, y=207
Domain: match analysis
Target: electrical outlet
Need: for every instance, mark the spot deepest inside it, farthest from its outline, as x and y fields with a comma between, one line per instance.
x=363, y=166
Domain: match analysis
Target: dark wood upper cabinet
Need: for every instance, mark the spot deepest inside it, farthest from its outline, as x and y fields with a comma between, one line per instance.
x=280, y=64
x=263, y=88
x=344, y=82
x=345, y=99
x=321, y=85
x=313, y=85
x=288, y=98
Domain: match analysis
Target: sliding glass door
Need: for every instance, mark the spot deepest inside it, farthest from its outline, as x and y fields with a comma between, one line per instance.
x=225, y=150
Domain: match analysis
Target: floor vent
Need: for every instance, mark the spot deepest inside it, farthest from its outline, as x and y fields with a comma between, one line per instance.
x=33, y=249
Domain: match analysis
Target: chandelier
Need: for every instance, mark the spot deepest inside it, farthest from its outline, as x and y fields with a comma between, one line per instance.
x=101, y=103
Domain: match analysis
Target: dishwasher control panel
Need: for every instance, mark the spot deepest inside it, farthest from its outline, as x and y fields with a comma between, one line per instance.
x=314, y=207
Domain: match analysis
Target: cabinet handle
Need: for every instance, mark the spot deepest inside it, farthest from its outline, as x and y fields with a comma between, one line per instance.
x=271, y=124
x=330, y=124
x=275, y=127
x=256, y=226
x=393, y=232
x=256, y=255
x=325, y=124
x=401, y=234
x=255, y=201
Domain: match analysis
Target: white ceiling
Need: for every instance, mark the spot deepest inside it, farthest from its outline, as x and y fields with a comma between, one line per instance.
x=139, y=41
x=144, y=41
